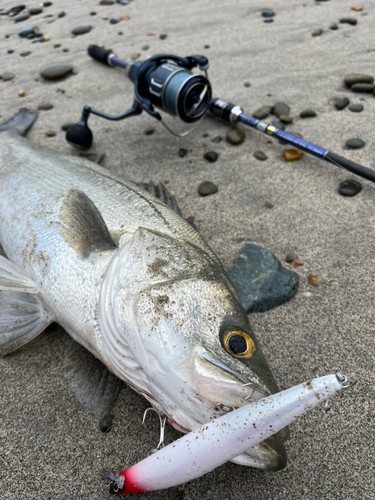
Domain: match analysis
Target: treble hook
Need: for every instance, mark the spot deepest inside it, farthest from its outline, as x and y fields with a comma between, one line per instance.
x=163, y=421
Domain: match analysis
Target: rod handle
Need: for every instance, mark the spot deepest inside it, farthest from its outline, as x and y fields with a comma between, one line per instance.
x=99, y=54
x=364, y=172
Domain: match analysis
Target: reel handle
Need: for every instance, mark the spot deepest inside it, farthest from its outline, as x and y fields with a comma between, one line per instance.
x=99, y=54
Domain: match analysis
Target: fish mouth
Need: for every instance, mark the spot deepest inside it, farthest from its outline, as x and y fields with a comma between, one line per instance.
x=228, y=390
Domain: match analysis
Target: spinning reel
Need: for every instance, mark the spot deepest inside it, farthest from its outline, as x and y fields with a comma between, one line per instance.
x=163, y=81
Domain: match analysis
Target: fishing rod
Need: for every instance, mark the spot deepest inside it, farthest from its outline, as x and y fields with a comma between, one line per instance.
x=165, y=82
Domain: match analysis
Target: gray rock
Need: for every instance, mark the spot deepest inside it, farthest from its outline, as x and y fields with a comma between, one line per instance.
x=259, y=155
x=350, y=187
x=45, y=106
x=363, y=87
x=149, y=131
x=33, y=11
x=349, y=20
x=281, y=108
x=308, y=113
x=354, y=78
x=356, y=108
x=26, y=31
x=61, y=14
x=47, y=4
x=163, y=36
x=182, y=152
x=317, y=32
x=21, y=17
x=81, y=30
x=341, y=103
x=25, y=53
x=355, y=143
x=207, y=188
x=285, y=119
x=235, y=136
x=8, y=76
x=217, y=139
x=145, y=47
x=21, y=121
x=211, y=156
x=334, y=27
x=268, y=20
x=268, y=13
x=55, y=71
x=260, y=280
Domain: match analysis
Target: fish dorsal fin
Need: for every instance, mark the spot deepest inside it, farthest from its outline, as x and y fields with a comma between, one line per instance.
x=14, y=279
x=82, y=225
x=161, y=193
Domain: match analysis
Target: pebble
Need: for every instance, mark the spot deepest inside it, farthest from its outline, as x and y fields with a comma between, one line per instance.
x=55, y=71
x=10, y=51
x=313, y=279
x=106, y=2
x=65, y=50
x=207, y=188
x=163, y=37
x=8, y=76
x=21, y=17
x=259, y=155
x=22, y=93
x=268, y=204
x=92, y=13
x=45, y=106
x=263, y=112
x=61, y=14
x=57, y=45
x=50, y=133
x=292, y=154
x=124, y=18
x=211, y=156
x=289, y=258
x=317, y=32
x=356, y=108
x=268, y=20
x=33, y=11
x=308, y=113
x=217, y=139
x=297, y=264
x=182, y=152
x=123, y=2
x=280, y=108
x=350, y=187
x=145, y=47
x=247, y=84
x=81, y=30
x=348, y=20
x=285, y=119
x=357, y=8
x=334, y=27
x=355, y=143
x=354, y=78
x=268, y=13
x=135, y=56
x=363, y=87
x=341, y=103
x=26, y=53
x=120, y=33
x=235, y=136
x=26, y=31
x=47, y=4
x=113, y=21
x=15, y=10
x=206, y=46
x=149, y=131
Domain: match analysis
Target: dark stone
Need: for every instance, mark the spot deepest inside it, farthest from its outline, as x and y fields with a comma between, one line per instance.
x=106, y=2
x=211, y=156
x=21, y=121
x=113, y=21
x=342, y=103
x=163, y=37
x=350, y=187
x=334, y=27
x=268, y=13
x=356, y=108
x=55, y=71
x=47, y=4
x=281, y=108
x=349, y=20
x=268, y=204
x=308, y=113
x=217, y=139
x=15, y=10
x=25, y=53
x=33, y=11
x=259, y=155
x=149, y=131
x=182, y=152
x=206, y=46
x=81, y=30
x=363, y=87
x=355, y=143
x=145, y=47
x=354, y=78
x=26, y=31
x=45, y=106
x=61, y=14
x=247, y=84
x=206, y=188
x=57, y=45
x=285, y=119
x=105, y=425
x=317, y=32
x=21, y=17
x=38, y=34
x=235, y=136
x=65, y=50
x=260, y=280
x=269, y=20
x=10, y=51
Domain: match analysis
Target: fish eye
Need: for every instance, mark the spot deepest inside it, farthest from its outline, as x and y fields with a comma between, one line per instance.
x=238, y=343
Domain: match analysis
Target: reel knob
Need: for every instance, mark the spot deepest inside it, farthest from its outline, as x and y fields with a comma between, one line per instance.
x=79, y=135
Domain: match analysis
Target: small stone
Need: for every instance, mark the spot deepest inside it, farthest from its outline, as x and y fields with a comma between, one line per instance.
x=33, y=11
x=281, y=108
x=350, y=187
x=259, y=155
x=21, y=17
x=65, y=50
x=348, y=20
x=269, y=20
x=81, y=30
x=285, y=119
x=8, y=77
x=145, y=47
x=341, y=103
x=357, y=8
x=26, y=53
x=55, y=71
x=190, y=220
x=211, y=156
x=289, y=258
x=268, y=13
x=247, y=84
x=292, y=154
x=22, y=93
x=308, y=113
x=235, y=136
x=206, y=134
x=363, y=87
x=57, y=45
x=113, y=21
x=151, y=34
x=206, y=46
x=355, y=143
x=45, y=106
x=217, y=139
x=313, y=279
x=50, y=133
x=66, y=125
x=106, y=2
x=61, y=14
x=182, y=152
x=207, y=188
x=105, y=425
x=263, y=112
x=10, y=51
x=123, y=2
x=334, y=27
x=92, y=13
x=317, y=32
x=135, y=56
x=26, y=31
x=356, y=108
x=163, y=36
x=268, y=204
x=354, y=78
x=149, y=131
x=124, y=18
x=47, y=4
x=297, y=264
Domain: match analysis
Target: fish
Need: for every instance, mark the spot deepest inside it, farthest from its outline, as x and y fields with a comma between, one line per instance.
x=133, y=283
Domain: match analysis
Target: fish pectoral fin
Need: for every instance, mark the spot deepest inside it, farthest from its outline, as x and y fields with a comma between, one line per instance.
x=95, y=387
x=81, y=224
x=14, y=279
x=22, y=318
x=161, y=193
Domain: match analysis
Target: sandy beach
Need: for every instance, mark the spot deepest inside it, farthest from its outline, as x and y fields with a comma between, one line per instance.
x=50, y=447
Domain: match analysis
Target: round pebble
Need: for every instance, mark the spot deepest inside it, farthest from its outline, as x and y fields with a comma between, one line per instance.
x=259, y=155
x=313, y=279
x=334, y=27
x=289, y=258
x=50, y=133
x=211, y=156
x=145, y=47
x=61, y=14
x=281, y=108
x=356, y=108
x=113, y=21
x=268, y=20
x=26, y=53
x=149, y=131
x=21, y=17
x=81, y=30
x=268, y=204
x=163, y=36
x=317, y=32
x=355, y=143
x=92, y=13
x=47, y=4
x=268, y=13
x=26, y=31
x=363, y=87
x=206, y=188
x=22, y=93
x=182, y=152
x=33, y=11
x=340, y=103
x=45, y=106
x=357, y=8
x=10, y=51
x=348, y=20
x=235, y=136
x=135, y=56
x=354, y=78
x=350, y=187
x=308, y=113
x=285, y=119
x=8, y=76
x=247, y=84
x=55, y=71
x=57, y=45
